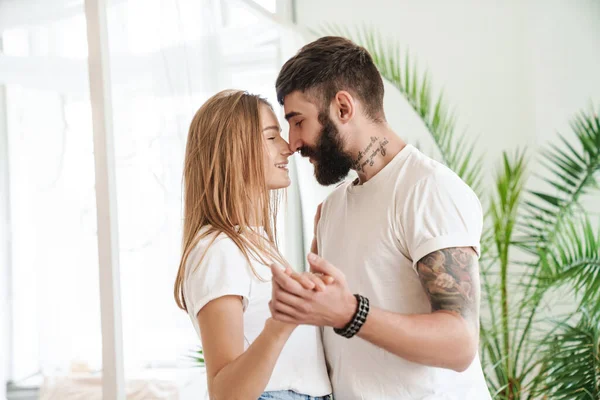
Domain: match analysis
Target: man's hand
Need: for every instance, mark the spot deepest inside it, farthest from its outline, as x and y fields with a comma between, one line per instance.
x=310, y=280
x=292, y=303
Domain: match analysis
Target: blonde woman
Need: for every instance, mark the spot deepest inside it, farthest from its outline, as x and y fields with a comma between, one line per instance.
x=235, y=159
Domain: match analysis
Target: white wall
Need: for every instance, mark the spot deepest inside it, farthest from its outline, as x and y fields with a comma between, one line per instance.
x=4, y=246
x=565, y=57
x=515, y=72
x=4, y=255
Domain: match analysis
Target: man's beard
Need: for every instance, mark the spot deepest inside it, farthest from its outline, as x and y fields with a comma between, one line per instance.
x=331, y=163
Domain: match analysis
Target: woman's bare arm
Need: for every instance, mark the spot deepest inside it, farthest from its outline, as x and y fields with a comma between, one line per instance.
x=235, y=374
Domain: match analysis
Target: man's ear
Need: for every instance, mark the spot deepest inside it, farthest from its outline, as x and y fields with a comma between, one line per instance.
x=344, y=106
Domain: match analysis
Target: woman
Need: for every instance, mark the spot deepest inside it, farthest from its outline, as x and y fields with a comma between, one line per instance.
x=235, y=157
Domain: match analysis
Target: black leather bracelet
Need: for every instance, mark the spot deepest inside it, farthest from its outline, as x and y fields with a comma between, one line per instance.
x=358, y=320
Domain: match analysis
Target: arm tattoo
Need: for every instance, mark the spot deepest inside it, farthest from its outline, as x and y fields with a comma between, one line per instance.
x=450, y=278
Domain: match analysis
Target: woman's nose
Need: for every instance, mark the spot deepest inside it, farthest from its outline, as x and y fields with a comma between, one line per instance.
x=285, y=150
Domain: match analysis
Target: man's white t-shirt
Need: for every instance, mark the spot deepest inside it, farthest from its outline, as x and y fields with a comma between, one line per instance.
x=375, y=233
x=224, y=271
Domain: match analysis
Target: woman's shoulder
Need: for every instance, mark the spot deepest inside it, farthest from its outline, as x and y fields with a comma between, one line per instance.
x=218, y=252
x=215, y=267
x=206, y=246
x=212, y=243
x=216, y=241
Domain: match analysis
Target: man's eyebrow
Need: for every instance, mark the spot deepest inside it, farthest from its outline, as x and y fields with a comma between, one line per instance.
x=291, y=114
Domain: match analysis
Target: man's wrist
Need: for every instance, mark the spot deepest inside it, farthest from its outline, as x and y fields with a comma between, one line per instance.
x=358, y=319
x=350, y=306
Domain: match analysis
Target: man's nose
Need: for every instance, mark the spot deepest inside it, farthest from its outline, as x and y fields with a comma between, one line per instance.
x=295, y=142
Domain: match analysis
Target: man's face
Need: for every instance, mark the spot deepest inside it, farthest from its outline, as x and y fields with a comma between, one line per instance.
x=316, y=136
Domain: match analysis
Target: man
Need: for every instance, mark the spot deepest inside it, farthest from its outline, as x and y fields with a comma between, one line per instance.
x=401, y=242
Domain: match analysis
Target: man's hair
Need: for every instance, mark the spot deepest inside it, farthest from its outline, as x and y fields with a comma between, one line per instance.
x=330, y=64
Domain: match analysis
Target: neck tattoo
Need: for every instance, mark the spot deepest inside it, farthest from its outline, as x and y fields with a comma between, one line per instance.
x=367, y=156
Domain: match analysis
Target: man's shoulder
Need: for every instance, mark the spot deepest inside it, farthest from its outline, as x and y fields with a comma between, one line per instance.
x=335, y=199
x=417, y=168
x=339, y=192
x=423, y=173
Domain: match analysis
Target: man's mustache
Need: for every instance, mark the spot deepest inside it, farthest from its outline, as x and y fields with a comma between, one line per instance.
x=306, y=151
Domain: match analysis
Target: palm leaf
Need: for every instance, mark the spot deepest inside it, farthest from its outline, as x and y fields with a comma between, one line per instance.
x=572, y=361
x=196, y=356
x=496, y=341
x=574, y=171
x=575, y=260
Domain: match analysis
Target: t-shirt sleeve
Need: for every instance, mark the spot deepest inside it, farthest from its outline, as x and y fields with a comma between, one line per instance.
x=440, y=212
x=223, y=271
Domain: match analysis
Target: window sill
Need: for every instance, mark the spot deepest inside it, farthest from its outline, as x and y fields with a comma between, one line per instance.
x=27, y=389
x=184, y=384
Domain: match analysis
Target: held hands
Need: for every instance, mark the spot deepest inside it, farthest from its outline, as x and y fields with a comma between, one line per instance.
x=309, y=281
x=320, y=297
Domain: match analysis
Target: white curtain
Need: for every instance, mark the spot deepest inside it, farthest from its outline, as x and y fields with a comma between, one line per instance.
x=167, y=57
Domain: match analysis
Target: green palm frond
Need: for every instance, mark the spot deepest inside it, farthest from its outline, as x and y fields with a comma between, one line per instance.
x=571, y=170
x=496, y=340
x=572, y=361
x=492, y=359
x=397, y=67
x=505, y=204
x=575, y=259
x=196, y=356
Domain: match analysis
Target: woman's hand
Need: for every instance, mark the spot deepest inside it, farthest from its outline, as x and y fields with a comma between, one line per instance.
x=310, y=280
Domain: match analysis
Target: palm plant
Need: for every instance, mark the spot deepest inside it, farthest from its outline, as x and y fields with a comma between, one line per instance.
x=196, y=357
x=537, y=243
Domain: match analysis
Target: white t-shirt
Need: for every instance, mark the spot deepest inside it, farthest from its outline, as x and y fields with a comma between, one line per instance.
x=224, y=271
x=376, y=233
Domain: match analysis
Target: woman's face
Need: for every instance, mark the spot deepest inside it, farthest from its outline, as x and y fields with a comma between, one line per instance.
x=277, y=151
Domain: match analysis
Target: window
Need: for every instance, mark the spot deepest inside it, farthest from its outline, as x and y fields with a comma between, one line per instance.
x=167, y=57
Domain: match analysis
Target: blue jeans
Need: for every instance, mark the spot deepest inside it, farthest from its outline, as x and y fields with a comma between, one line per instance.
x=290, y=395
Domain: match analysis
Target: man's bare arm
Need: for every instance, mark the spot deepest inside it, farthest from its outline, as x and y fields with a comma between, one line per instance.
x=450, y=278
x=449, y=336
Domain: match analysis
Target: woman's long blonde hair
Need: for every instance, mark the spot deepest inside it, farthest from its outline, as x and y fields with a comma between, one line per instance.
x=224, y=182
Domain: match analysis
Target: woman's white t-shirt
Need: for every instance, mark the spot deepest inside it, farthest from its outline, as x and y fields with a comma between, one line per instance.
x=225, y=271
